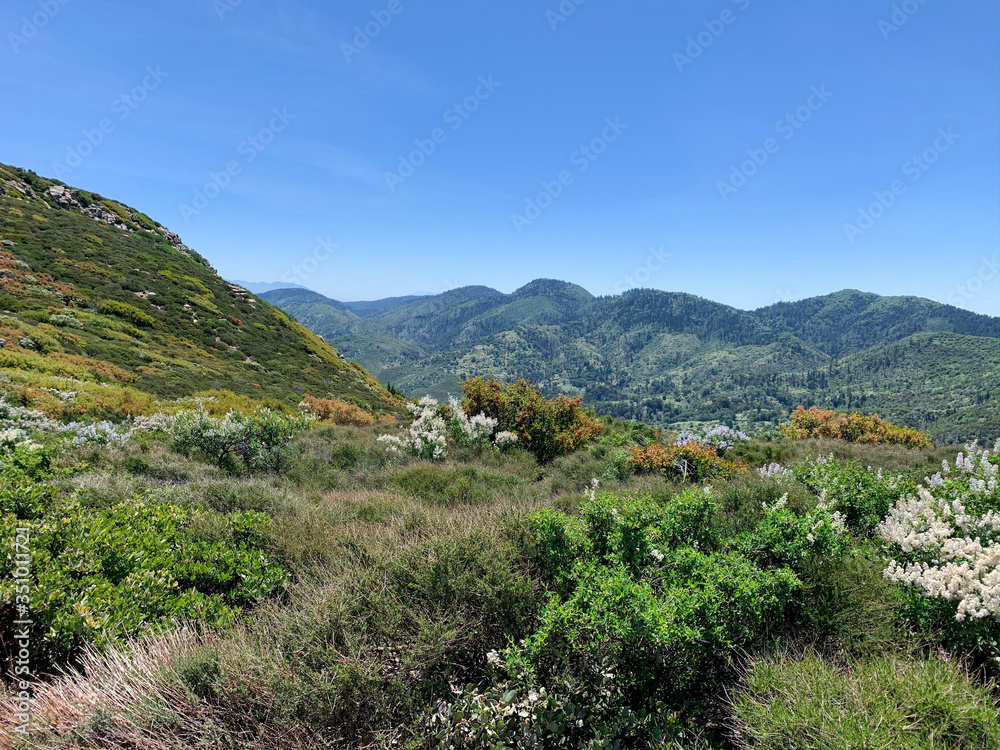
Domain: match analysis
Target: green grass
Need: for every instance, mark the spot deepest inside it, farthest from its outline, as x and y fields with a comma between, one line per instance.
x=883, y=703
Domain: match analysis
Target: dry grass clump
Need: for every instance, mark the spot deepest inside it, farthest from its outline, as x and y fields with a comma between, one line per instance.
x=149, y=694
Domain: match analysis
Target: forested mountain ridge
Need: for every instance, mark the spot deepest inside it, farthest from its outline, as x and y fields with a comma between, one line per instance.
x=674, y=358
x=850, y=321
x=94, y=291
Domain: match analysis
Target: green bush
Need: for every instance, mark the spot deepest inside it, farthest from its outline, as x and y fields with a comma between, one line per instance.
x=547, y=428
x=237, y=441
x=888, y=702
x=783, y=537
x=127, y=312
x=644, y=608
x=100, y=575
x=862, y=495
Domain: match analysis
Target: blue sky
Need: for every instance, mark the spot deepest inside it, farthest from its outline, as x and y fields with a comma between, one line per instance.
x=755, y=152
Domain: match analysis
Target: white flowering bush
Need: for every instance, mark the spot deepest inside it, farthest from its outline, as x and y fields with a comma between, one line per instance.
x=783, y=537
x=945, y=544
x=428, y=436
x=861, y=494
x=475, y=430
x=775, y=471
x=425, y=438
x=237, y=441
x=22, y=418
x=720, y=437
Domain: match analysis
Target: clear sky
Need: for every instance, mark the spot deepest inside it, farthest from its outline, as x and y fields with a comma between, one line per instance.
x=740, y=150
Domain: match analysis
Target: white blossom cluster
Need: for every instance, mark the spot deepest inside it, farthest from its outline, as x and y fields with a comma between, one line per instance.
x=425, y=437
x=720, y=437
x=20, y=422
x=774, y=471
x=947, y=550
x=473, y=429
x=21, y=418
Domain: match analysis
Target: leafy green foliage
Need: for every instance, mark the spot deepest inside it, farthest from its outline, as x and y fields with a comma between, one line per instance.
x=238, y=441
x=100, y=575
x=127, y=312
x=547, y=428
x=863, y=496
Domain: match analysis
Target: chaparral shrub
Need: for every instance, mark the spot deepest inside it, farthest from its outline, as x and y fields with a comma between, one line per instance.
x=854, y=428
x=693, y=462
x=945, y=543
x=127, y=312
x=237, y=441
x=102, y=575
x=338, y=412
x=546, y=427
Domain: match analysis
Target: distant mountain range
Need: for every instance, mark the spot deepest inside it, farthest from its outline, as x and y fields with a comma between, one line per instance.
x=259, y=287
x=676, y=359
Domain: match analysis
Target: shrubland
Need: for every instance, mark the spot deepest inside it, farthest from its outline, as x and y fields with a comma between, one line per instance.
x=225, y=577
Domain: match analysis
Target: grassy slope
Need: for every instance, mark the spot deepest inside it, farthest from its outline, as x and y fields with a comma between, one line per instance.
x=59, y=265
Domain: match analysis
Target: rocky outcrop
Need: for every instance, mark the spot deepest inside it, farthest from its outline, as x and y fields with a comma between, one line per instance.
x=63, y=196
x=21, y=187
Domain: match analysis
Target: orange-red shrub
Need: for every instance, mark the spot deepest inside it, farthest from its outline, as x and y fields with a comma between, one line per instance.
x=338, y=412
x=692, y=461
x=854, y=428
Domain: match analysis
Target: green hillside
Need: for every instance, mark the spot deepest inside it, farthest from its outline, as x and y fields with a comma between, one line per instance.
x=674, y=359
x=96, y=292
